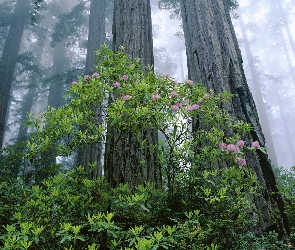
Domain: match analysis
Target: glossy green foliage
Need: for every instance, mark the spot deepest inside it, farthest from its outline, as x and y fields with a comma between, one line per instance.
x=201, y=201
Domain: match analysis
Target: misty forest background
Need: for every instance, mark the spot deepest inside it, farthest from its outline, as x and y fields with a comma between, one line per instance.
x=203, y=189
x=265, y=32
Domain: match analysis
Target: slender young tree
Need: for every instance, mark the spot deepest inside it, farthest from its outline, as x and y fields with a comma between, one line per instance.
x=214, y=59
x=286, y=23
x=91, y=154
x=132, y=28
x=8, y=59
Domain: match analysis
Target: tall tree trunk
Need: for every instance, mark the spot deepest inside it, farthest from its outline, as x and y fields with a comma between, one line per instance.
x=29, y=98
x=286, y=24
x=259, y=98
x=214, y=58
x=56, y=85
x=54, y=101
x=8, y=60
x=132, y=28
x=96, y=32
x=288, y=58
x=92, y=153
x=287, y=131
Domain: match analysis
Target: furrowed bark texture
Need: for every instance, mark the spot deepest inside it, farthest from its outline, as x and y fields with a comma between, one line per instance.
x=132, y=28
x=214, y=59
x=8, y=60
x=91, y=154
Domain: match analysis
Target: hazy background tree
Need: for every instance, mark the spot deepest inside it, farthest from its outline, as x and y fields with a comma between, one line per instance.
x=8, y=59
x=91, y=155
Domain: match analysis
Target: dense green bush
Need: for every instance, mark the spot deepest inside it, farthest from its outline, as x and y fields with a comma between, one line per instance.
x=207, y=197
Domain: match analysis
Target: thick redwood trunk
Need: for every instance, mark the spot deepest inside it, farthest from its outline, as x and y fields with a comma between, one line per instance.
x=91, y=154
x=132, y=28
x=214, y=59
x=8, y=60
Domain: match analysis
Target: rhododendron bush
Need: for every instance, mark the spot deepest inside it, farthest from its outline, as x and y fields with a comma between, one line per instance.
x=208, y=190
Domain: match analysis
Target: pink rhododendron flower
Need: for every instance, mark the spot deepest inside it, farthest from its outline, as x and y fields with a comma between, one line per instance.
x=255, y=144
x=127, y=97
x=95, y=74
x=179, y=104
x=186, y=101
x=174, y=83
x=222, y=145
x=86, y=77
x=116, y=84
x=241, y=161
x=173, y=93
x=155, y=96
x=206, y=96
x=189, y=82
x=74, y=82
x=195, y=107
x=174, y=108
x=188, y=108
x=125, y=77
x=233, y=148
x=240, y=143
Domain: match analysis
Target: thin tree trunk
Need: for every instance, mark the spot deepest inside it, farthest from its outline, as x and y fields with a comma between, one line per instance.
x=8, y=60
x=259, y=98
x=287, y=131
x=288, y=58
x=286, y=24
x=132, y=28
x=214, y=58
x=56, y=86
x=90, y=155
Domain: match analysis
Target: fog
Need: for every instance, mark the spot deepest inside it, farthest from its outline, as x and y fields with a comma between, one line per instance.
x=269, y=61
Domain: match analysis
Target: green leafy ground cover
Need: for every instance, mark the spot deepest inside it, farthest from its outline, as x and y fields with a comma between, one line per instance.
x=206, y=201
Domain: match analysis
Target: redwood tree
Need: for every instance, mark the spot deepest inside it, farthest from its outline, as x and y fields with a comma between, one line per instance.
x=9, y=57
x=91, y=154
x=214, y=59
x=132, y=28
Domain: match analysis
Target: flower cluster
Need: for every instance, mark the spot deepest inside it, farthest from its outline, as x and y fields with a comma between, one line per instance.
x=235, y=148
x=192, y=107
x=255, y=144
x=155, y=96
x=125, y=77
x=241, y=161
x=116, y=84
x=95, y=74
x=173, y=94
x=127, y=97
x=174, y=108
x=189, y=82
